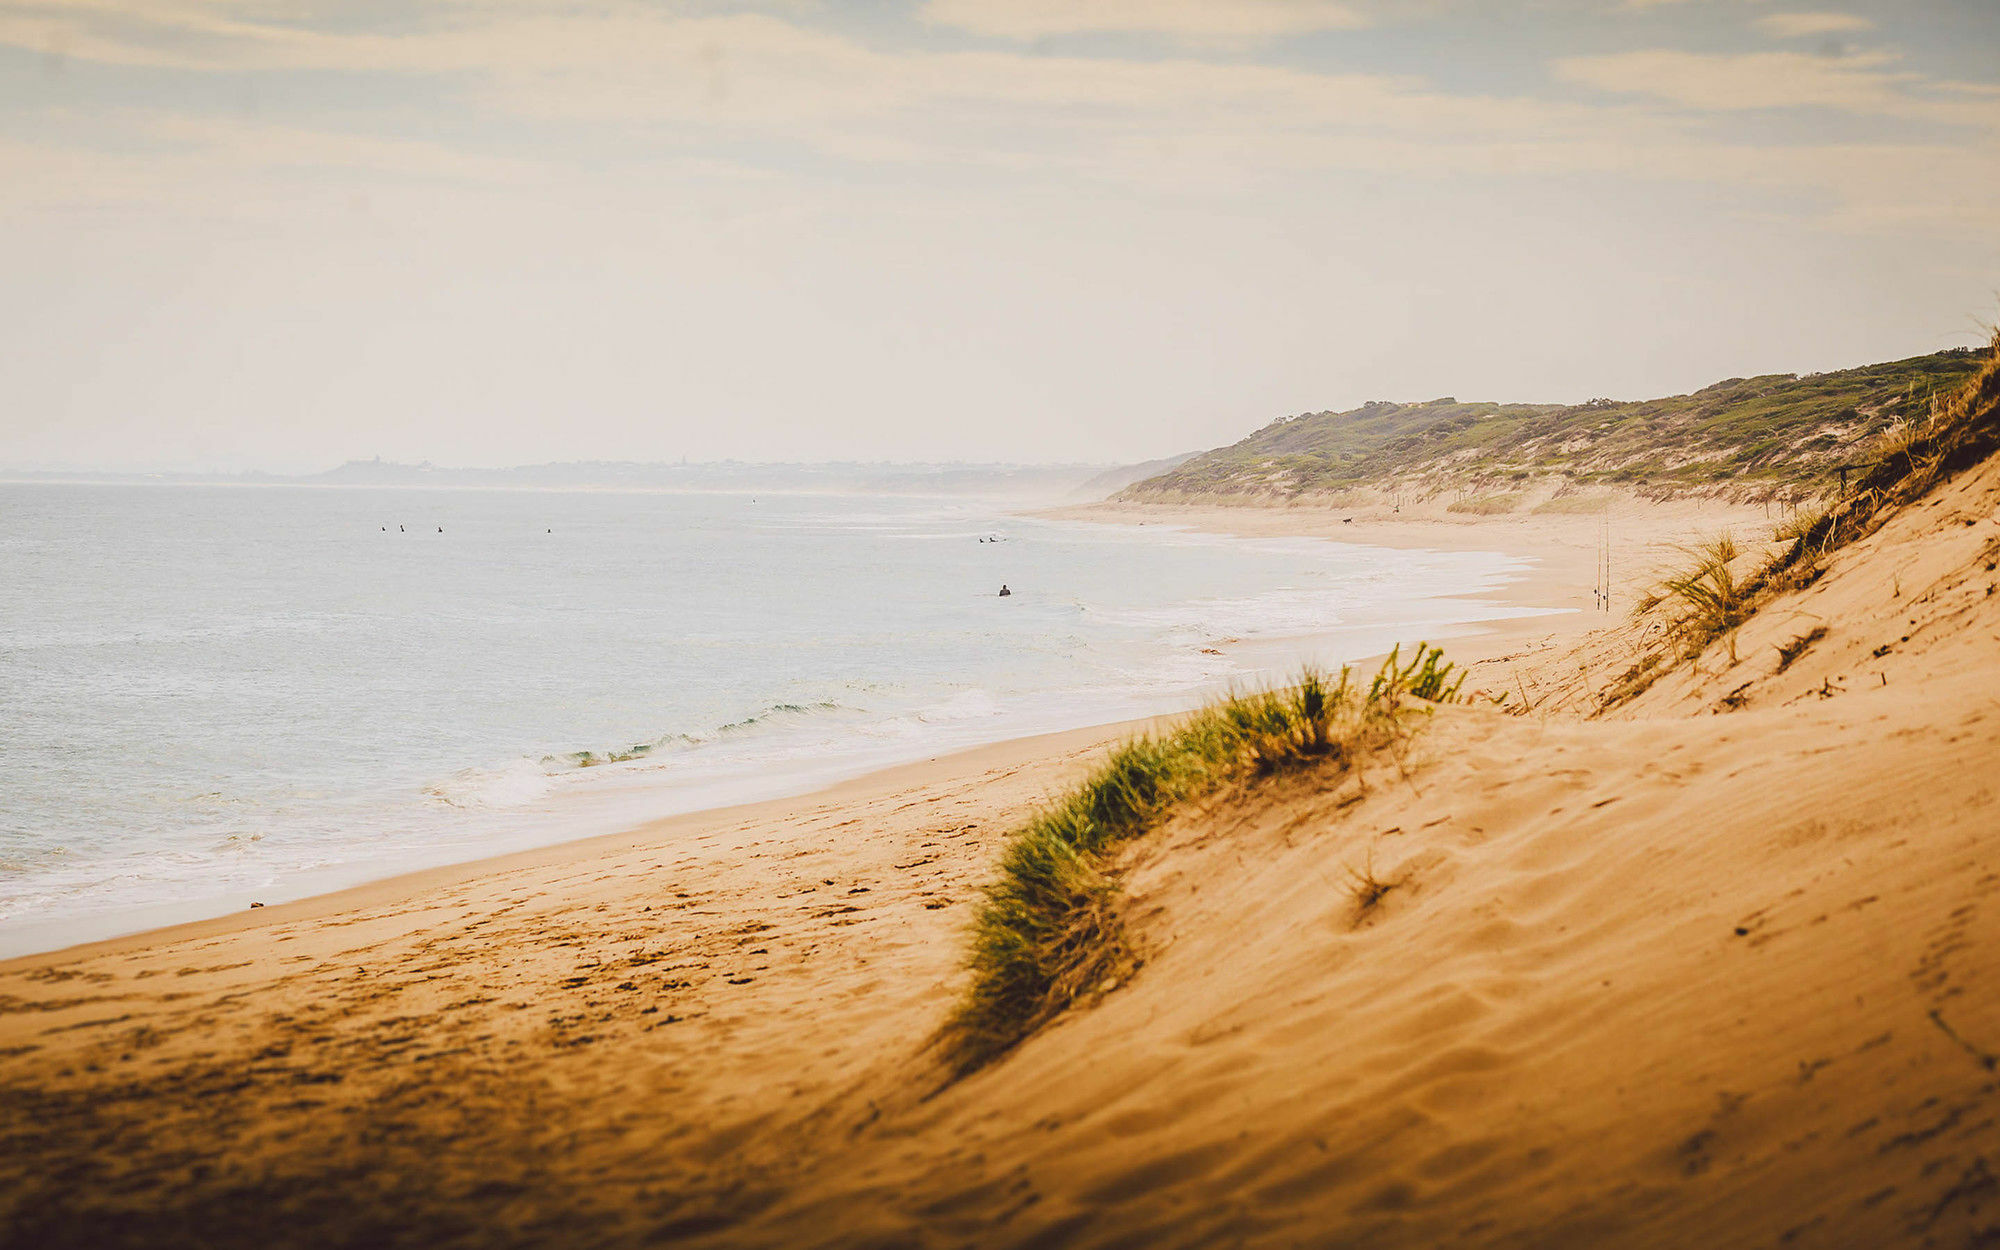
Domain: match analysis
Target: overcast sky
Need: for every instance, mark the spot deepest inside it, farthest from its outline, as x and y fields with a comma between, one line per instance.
x=282, y=233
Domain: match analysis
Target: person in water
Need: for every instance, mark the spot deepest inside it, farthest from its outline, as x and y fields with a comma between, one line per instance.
x=1004, y=592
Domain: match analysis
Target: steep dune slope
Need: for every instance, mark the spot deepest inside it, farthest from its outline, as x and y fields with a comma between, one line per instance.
x=1638, y=984
x=1902, y=603
x=1658, y=980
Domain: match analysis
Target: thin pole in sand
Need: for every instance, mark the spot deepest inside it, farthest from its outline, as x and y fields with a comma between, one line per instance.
x=1601, y=590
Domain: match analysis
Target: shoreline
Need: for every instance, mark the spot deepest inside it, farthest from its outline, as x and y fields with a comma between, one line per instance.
x=1645, y=537
x=719, y=1028
x=1553, y=590
x=647, y=835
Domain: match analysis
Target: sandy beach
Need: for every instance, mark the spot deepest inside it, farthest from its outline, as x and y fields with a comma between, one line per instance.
x=1650, y=982
x=1645, y=537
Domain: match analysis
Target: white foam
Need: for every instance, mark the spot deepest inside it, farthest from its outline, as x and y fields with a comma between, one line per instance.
x=514, y=784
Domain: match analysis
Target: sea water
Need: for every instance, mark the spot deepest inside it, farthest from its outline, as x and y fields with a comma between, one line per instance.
x=213, y=694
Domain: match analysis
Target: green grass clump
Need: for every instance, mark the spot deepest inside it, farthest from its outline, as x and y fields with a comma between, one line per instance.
x=1425, y=676
x=1047, y=930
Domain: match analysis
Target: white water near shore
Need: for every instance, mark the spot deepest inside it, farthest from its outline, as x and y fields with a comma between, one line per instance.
x=212, y=694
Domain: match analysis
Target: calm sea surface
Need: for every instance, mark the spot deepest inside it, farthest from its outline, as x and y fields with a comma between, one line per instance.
x=215, y=694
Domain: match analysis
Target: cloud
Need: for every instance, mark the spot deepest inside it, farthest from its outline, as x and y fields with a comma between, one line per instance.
x=637, y=65
x=1188, y=20
x=670, y=102
x=1861, y=84
x=1806, y=25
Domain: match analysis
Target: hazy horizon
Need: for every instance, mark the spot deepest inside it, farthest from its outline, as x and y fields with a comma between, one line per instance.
x=245, y=235
x=723, y=462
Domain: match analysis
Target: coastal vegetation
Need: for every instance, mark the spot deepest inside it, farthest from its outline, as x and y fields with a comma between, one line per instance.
x=1047, y=931
x=1708, y=598
x=1714, y=594
x=1744, y=437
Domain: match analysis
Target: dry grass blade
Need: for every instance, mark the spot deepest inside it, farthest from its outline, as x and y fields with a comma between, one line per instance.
x=1368, y=889
x=1789, y=652
x=1802, y=522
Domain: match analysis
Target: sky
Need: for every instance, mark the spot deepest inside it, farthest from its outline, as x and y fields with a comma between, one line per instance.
x=280, y=234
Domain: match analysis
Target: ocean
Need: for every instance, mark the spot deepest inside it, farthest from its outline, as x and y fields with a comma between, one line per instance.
x=212, y=695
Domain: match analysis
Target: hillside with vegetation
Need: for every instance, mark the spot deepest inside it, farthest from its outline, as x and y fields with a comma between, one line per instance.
x=1779, y=434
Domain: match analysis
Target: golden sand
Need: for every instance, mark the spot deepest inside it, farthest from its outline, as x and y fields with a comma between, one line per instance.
x=1664, y=979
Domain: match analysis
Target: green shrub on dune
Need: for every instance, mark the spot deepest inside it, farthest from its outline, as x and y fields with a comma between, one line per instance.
x=1047, y=930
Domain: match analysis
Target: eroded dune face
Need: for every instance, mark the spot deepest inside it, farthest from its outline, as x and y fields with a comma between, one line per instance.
x=1661, y=978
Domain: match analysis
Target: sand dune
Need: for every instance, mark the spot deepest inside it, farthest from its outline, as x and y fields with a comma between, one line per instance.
x=1659, y=978
x=1664, y=981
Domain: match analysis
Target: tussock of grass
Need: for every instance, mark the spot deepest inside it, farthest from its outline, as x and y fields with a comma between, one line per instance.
x=1708, y=600
x=1707, y=603
x=1425, y=676
x=1048, y=932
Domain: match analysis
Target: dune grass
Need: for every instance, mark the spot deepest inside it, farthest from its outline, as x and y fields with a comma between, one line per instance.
x=1047, y=930
x=1957, y=432
x=1905, y=463
x=1800, y=523
x=1709, y=601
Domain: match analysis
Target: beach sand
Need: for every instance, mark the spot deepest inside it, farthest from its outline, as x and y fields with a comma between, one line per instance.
x=1663, y=980
x=1644, y=537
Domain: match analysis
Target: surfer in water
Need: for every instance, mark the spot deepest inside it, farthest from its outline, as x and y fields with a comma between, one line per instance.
x=1004, y=592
